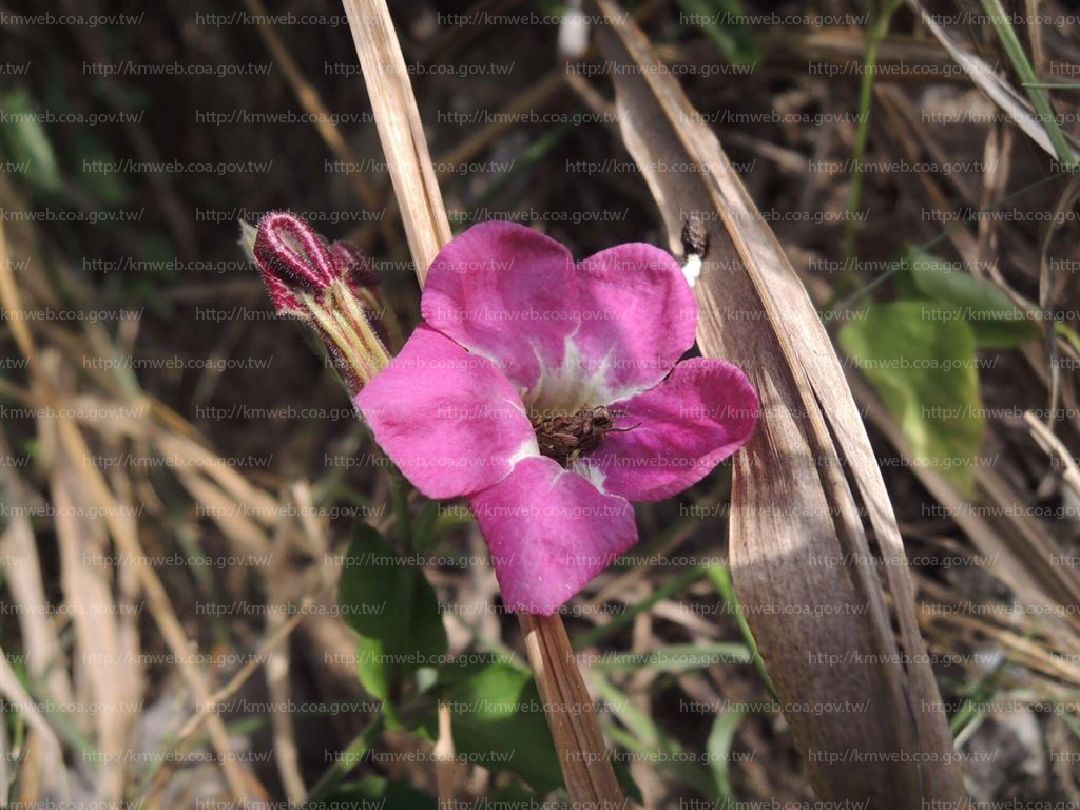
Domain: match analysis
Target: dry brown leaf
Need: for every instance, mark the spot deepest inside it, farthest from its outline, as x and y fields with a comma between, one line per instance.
x=799, y=545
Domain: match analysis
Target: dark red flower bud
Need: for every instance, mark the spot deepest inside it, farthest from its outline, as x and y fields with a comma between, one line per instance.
x=353, y=265
x=293, y=259
x=329, y=287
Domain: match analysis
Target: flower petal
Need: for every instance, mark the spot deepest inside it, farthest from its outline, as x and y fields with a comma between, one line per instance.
x=506, y=292
x=447, y=418
x=672, y=436
x=550, y=532
x=638, y=316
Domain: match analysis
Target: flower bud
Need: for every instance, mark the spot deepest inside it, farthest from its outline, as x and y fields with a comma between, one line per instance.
x=331, y=288
x=293, y=258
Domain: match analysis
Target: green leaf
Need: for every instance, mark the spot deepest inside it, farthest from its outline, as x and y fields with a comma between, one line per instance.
x=721, y=578
x=435, y=521
x=499, y=723
x=995, y=320
x=719, y=745
x=27, y=143
x=371, y=667
x=1068, y=334
x=922, y=364
x=725, y=23
x=346, y=762
x=394, y=610
x=108, y=187
x=645, y=738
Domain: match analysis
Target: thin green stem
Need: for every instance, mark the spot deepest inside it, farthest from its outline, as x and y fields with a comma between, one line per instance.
x=399, y=494
x=409, y=570
x=1053, y=85
x=346, y=762
x=721, y=577
x=1040, y=100
x=874, y=37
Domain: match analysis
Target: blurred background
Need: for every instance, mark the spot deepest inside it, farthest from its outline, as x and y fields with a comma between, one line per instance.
x=179, y=468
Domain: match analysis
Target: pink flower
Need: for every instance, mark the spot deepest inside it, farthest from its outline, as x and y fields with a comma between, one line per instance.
x=550, y=395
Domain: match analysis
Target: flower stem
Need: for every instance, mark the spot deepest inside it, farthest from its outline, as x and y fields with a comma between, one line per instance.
x=347, y=761
x=399, y=494
x=408, y=572
x=571, y=715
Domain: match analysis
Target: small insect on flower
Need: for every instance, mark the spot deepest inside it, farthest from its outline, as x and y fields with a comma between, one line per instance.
x=550, y=394
x=565, y=438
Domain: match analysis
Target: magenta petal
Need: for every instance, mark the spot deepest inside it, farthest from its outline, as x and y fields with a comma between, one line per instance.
x=638, y=316
x=673, y=435
x=550, y=532
x=447, y=418
x=504, y=291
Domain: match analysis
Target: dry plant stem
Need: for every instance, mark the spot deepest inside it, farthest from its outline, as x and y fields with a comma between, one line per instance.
x=570, y=713
x=538, y=94
x=185, y=738
x=586, y=767
x=400, y=130
x=448, y=771
x=41, y=733
x=993, y=85
x=240, y=678
x=277, y=669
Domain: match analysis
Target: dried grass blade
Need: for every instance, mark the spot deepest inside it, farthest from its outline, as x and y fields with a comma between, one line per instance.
x=400, y=130
x=45, y=661
x=87, y=590
x=121, y=529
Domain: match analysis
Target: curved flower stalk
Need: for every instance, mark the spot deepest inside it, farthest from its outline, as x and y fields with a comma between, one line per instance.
x=333, y=288
x=550, y=394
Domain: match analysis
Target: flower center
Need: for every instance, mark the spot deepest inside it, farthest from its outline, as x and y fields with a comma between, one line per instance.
x=565, y=437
